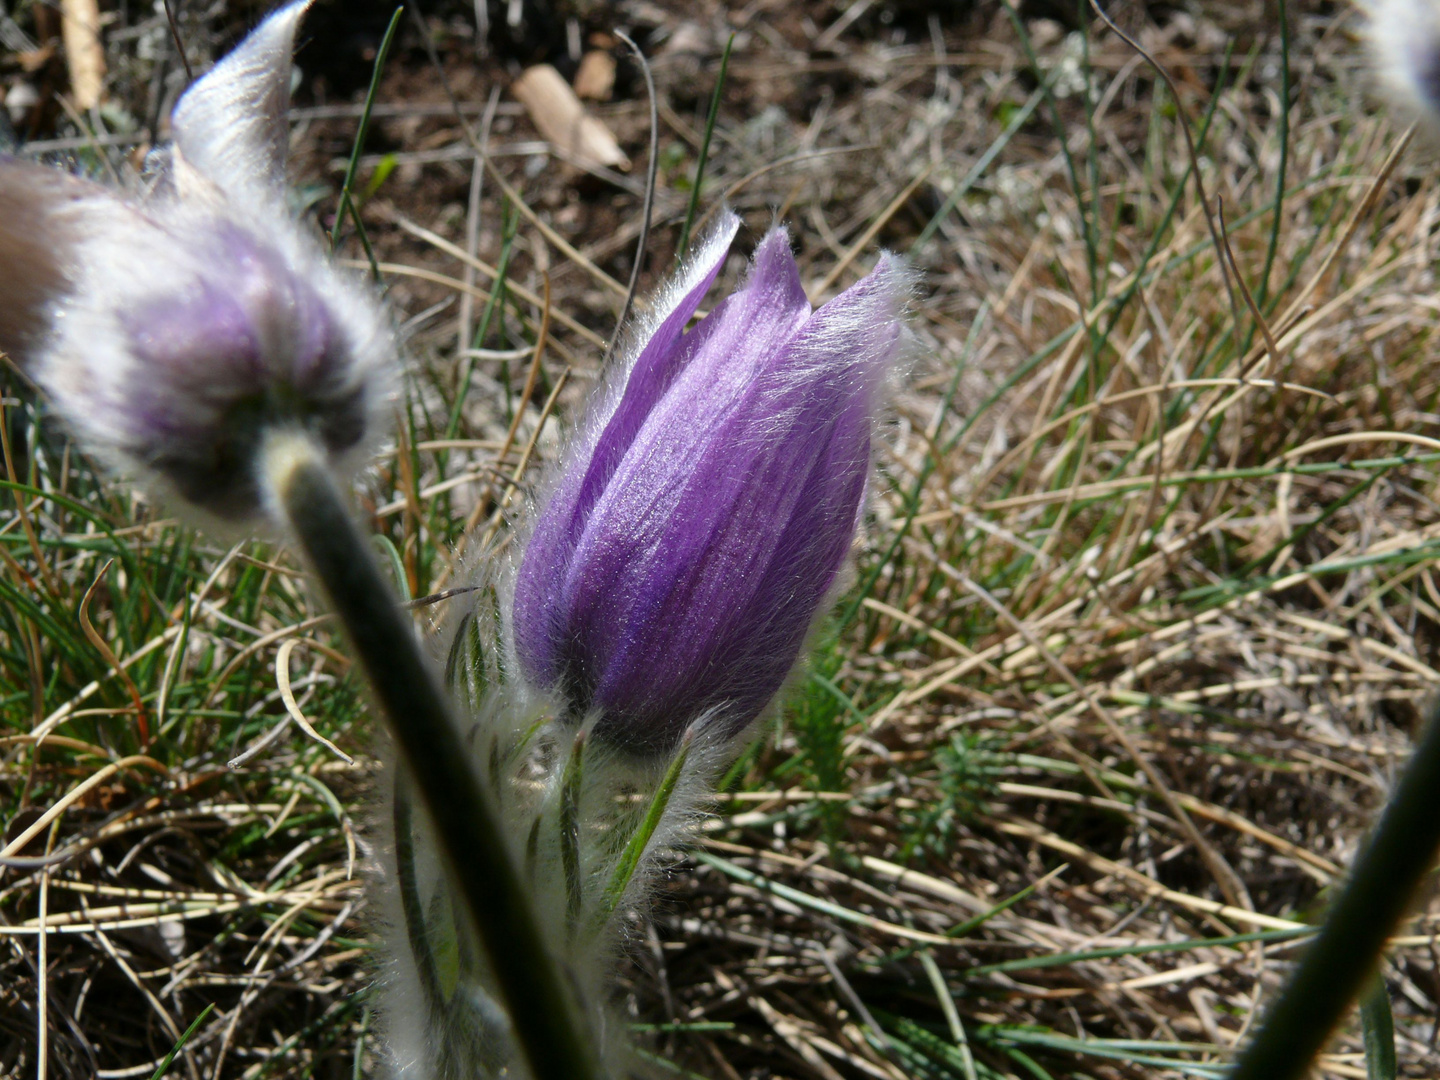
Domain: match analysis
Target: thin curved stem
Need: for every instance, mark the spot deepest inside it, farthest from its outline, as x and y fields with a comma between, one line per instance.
x=471, y=837
x=1195, y=171
x=683, y=245
x=179, y=44
x=649, y=206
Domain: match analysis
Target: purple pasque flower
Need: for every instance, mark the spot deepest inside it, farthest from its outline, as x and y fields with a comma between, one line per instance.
x=178, y=327
x=244, y=345
x=708, y=507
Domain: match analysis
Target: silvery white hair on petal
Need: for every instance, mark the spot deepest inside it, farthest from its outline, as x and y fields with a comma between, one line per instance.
x=231, y=128
x=174, y=329
x=691, y=532
x=675, y=570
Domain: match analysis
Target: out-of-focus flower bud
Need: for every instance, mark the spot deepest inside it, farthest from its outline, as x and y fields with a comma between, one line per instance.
x=1404, y=40
x=175, y=332
x=44, y=216
x=709, y=505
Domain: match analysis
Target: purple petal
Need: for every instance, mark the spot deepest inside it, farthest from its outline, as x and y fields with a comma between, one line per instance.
x=664, y=356
x=247, y=325
x=706, y=559
x=659, y=361
x=244, y=342
x=231, y=125
x=198, y=341
x=287, y=315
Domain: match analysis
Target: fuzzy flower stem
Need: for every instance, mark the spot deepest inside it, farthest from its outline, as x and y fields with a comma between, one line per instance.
x=1335, y=967
x=546, y=1027
x=405, y=878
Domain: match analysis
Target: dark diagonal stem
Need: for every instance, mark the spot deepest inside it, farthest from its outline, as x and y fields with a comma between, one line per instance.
x=1334, y=969
x=471, y=838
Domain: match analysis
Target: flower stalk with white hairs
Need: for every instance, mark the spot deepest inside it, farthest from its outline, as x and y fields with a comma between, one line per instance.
x=196, y=339
x=671, y=569
x=675, y=560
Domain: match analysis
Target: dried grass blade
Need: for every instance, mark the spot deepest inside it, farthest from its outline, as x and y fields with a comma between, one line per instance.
x=103, y=648
x=282, y=683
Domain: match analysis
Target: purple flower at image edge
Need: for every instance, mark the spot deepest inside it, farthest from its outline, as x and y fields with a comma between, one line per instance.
x=691, y=540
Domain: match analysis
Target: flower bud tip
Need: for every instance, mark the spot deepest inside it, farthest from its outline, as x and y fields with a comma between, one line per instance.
x=687, y=547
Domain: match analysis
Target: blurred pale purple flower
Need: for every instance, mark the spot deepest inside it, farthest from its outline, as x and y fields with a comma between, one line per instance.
x=707, y=509
x=1404, y=44
x=243, y=346
x=175, y=329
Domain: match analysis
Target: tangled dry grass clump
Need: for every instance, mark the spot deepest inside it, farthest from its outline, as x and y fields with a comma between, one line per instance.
x=1142, y=628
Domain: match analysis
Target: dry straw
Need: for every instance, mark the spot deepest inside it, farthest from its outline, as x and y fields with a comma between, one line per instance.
x=1230, y=546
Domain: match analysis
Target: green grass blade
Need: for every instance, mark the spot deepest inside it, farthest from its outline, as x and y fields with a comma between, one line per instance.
x=1087, y=224
x=164, y=1065
x=1028, y=1063
x=347, y=200
x=1379, y=1027
x=977, y=170
x=971, y=925
x=952, y=1015
x=390, y=554
x=684, y=243
x=635, y=849
x=497, y=291
x=1273, y=245
x=572, y=783
x=1031, y=963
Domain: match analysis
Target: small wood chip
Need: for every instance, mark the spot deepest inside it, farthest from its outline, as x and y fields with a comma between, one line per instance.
x=559, y=115
x=595, y=81
x=35, y=59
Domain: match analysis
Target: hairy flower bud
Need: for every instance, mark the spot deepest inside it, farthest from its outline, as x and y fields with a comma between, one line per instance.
x=675, y=571
x=176, y=330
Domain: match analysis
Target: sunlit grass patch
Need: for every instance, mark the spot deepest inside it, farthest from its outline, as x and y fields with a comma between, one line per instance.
x=1140, y=630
